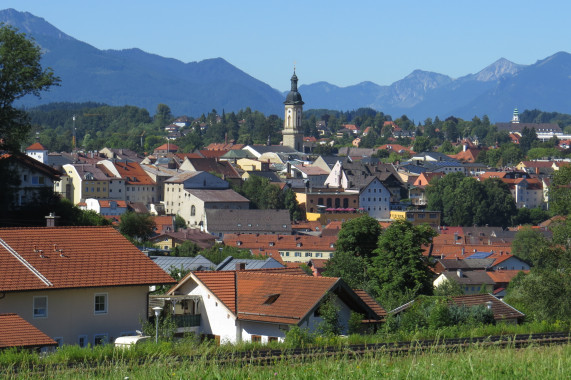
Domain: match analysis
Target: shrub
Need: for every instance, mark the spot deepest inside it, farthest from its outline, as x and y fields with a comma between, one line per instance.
x=298, y=337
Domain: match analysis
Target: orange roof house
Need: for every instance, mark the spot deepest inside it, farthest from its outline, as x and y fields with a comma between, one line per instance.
x=296, y=248
x=262, y=305
x=77, y=284
x=167, y=148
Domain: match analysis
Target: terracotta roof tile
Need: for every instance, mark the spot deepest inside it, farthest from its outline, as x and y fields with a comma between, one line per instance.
x=91, y=257
x=370, y=301
x=500, y=309
x=281, y=242
x=16, y=332
x=504, y=276
x=133, y=173
x=36, y=146
x=222, y=284
x=295, y=296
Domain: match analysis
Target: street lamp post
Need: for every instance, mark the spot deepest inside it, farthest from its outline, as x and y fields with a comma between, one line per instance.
x=157, y=310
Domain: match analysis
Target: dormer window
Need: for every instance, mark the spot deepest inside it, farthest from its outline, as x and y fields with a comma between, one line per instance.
x=238, y=242
x=298, y=244
x=271, y=299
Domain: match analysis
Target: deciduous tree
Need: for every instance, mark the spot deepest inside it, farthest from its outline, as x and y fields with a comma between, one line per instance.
x=398, y=266
x=21, y=74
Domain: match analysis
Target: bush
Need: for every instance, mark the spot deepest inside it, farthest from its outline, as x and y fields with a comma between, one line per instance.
x=298, y=337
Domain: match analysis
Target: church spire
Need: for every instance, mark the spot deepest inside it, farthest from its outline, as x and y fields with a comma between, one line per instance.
x=292, y=132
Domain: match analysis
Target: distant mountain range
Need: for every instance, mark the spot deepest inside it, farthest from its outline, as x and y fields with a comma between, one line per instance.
x=131, y=76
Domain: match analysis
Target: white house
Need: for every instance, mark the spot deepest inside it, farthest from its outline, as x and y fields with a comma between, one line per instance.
x=261, y=305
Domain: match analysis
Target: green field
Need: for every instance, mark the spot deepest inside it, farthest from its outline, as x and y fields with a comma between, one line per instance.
x=534, y=362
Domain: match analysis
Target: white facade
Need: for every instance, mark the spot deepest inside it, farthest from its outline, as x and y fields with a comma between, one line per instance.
x=525, y=196
x=375, y=198
x=39, y=155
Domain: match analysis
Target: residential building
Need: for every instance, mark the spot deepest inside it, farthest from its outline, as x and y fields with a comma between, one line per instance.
x=261, y=306
x=88, y=181
x=291, y=248
x=417, y=217
x=231, y=263
x=34, y=177
x=106, y=207
x=191, y=193
x=78, y=285
x=169, y=239
x=214, y=166
x=166, y=148
x=219, y=222
x=139, y=186
x=374, y=198
x=317, y=200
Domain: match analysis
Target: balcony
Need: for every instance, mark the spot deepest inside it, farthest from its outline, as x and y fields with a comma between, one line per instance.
x=186, y=320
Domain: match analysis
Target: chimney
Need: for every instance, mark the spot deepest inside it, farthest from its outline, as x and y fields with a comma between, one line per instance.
x=51, y=220
x=240, y=266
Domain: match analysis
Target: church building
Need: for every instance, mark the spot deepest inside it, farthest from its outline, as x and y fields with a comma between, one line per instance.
x=292, y=132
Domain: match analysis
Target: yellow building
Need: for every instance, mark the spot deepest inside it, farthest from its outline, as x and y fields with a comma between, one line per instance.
x=87, y=181
x=417, y=217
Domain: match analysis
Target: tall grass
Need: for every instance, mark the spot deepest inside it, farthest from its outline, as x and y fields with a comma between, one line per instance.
x=476, y=362
x=175, y=350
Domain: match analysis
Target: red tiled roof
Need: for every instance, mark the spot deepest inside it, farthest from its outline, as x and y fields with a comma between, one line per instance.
x=504, y=276
x=30, y=259
x=283, y=242
x=107, y=203
x=36, y=146
x=134, y=174
x=162, y=222
x=370, y=301
x=221, y=283
x=312, y=226
x=396, y=148
x=170, y=147
x=296, y=296
x=213, y=153
x=500, y=309
x=487, y=175
x=16, y=332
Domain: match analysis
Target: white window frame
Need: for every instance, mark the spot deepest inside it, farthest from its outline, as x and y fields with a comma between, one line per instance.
x=100, y=312
x=36, y=315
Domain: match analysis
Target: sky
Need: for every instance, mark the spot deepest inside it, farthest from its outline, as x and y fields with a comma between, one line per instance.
x=340, y=42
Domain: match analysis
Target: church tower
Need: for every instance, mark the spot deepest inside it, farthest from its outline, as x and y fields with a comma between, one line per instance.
x=292, y=133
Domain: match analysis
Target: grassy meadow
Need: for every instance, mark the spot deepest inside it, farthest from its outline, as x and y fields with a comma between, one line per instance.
x=534, y=362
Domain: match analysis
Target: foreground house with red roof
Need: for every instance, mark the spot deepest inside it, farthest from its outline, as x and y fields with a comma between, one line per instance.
x=262, y=305
x=79, y=285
